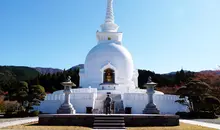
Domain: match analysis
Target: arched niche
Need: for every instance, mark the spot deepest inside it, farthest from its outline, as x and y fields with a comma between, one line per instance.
x=108, y=69
x=108, y=76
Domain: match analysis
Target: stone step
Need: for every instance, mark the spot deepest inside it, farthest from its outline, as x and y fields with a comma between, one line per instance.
x=109, y=124
x=109, y=117
x=116, y=121
x=108, y=127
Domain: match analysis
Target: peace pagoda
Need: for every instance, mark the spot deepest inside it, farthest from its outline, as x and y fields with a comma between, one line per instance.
x=109, y=69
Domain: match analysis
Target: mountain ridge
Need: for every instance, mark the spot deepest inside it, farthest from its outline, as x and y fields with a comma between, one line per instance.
x=45, y=70
x=50, y=70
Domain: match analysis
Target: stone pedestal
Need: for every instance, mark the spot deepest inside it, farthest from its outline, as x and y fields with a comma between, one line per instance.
x=66, y=107
x=66, y=110
x=150, y=107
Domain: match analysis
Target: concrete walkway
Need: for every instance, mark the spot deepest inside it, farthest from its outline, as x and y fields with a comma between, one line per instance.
x=18, y=122
x=204, y=124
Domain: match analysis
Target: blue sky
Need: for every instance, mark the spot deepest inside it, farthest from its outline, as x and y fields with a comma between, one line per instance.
x=161, y=35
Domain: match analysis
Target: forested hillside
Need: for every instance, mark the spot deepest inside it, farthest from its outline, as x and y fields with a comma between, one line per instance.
x=17, y=72
x=165, y=80
x=167, y=83
x=11, y=74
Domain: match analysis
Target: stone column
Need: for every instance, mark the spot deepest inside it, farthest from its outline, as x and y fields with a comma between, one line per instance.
x=66, y=107
x=150, y=107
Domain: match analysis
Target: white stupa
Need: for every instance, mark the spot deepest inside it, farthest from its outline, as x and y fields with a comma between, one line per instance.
x=109, y=65
x=109, y=68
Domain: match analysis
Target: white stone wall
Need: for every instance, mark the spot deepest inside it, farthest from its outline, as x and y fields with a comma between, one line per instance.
x=165, y=103
x=49, y=106
x=78, y=90
x=82, y=100
x=79, y=101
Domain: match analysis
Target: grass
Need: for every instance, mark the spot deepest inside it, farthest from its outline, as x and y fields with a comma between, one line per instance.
x=183, y=126
x=34, y=126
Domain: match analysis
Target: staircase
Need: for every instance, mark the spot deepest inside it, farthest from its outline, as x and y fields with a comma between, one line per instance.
x=109, y=122
x=119, y=107
x=99, y=104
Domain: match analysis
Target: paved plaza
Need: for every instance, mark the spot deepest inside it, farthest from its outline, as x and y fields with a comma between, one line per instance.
x=200, y=123
x=5, y=122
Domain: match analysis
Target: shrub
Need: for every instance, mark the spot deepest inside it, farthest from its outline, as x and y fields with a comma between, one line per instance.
x=22, y=114
x=10, y=114
x=206, y=115
x=196, y=115
x=34, y=113
x=11, y=106
x=2, y=108
x=184, y=115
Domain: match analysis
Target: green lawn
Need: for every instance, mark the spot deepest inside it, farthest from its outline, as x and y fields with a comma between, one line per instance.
x=34, y=126
x=182, y=126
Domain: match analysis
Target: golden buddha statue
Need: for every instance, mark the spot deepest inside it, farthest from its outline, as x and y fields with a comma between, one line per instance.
x=109, y=77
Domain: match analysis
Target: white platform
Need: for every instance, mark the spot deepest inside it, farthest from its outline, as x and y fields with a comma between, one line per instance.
x=91, y=97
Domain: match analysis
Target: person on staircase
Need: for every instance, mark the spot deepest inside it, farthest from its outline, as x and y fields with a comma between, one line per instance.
x=108, y=102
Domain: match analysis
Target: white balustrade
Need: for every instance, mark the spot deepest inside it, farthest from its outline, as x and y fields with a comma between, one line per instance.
x=165, y=103
x=85, y=97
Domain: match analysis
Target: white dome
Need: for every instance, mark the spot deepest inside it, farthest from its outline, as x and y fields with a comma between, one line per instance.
x=105, y=53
